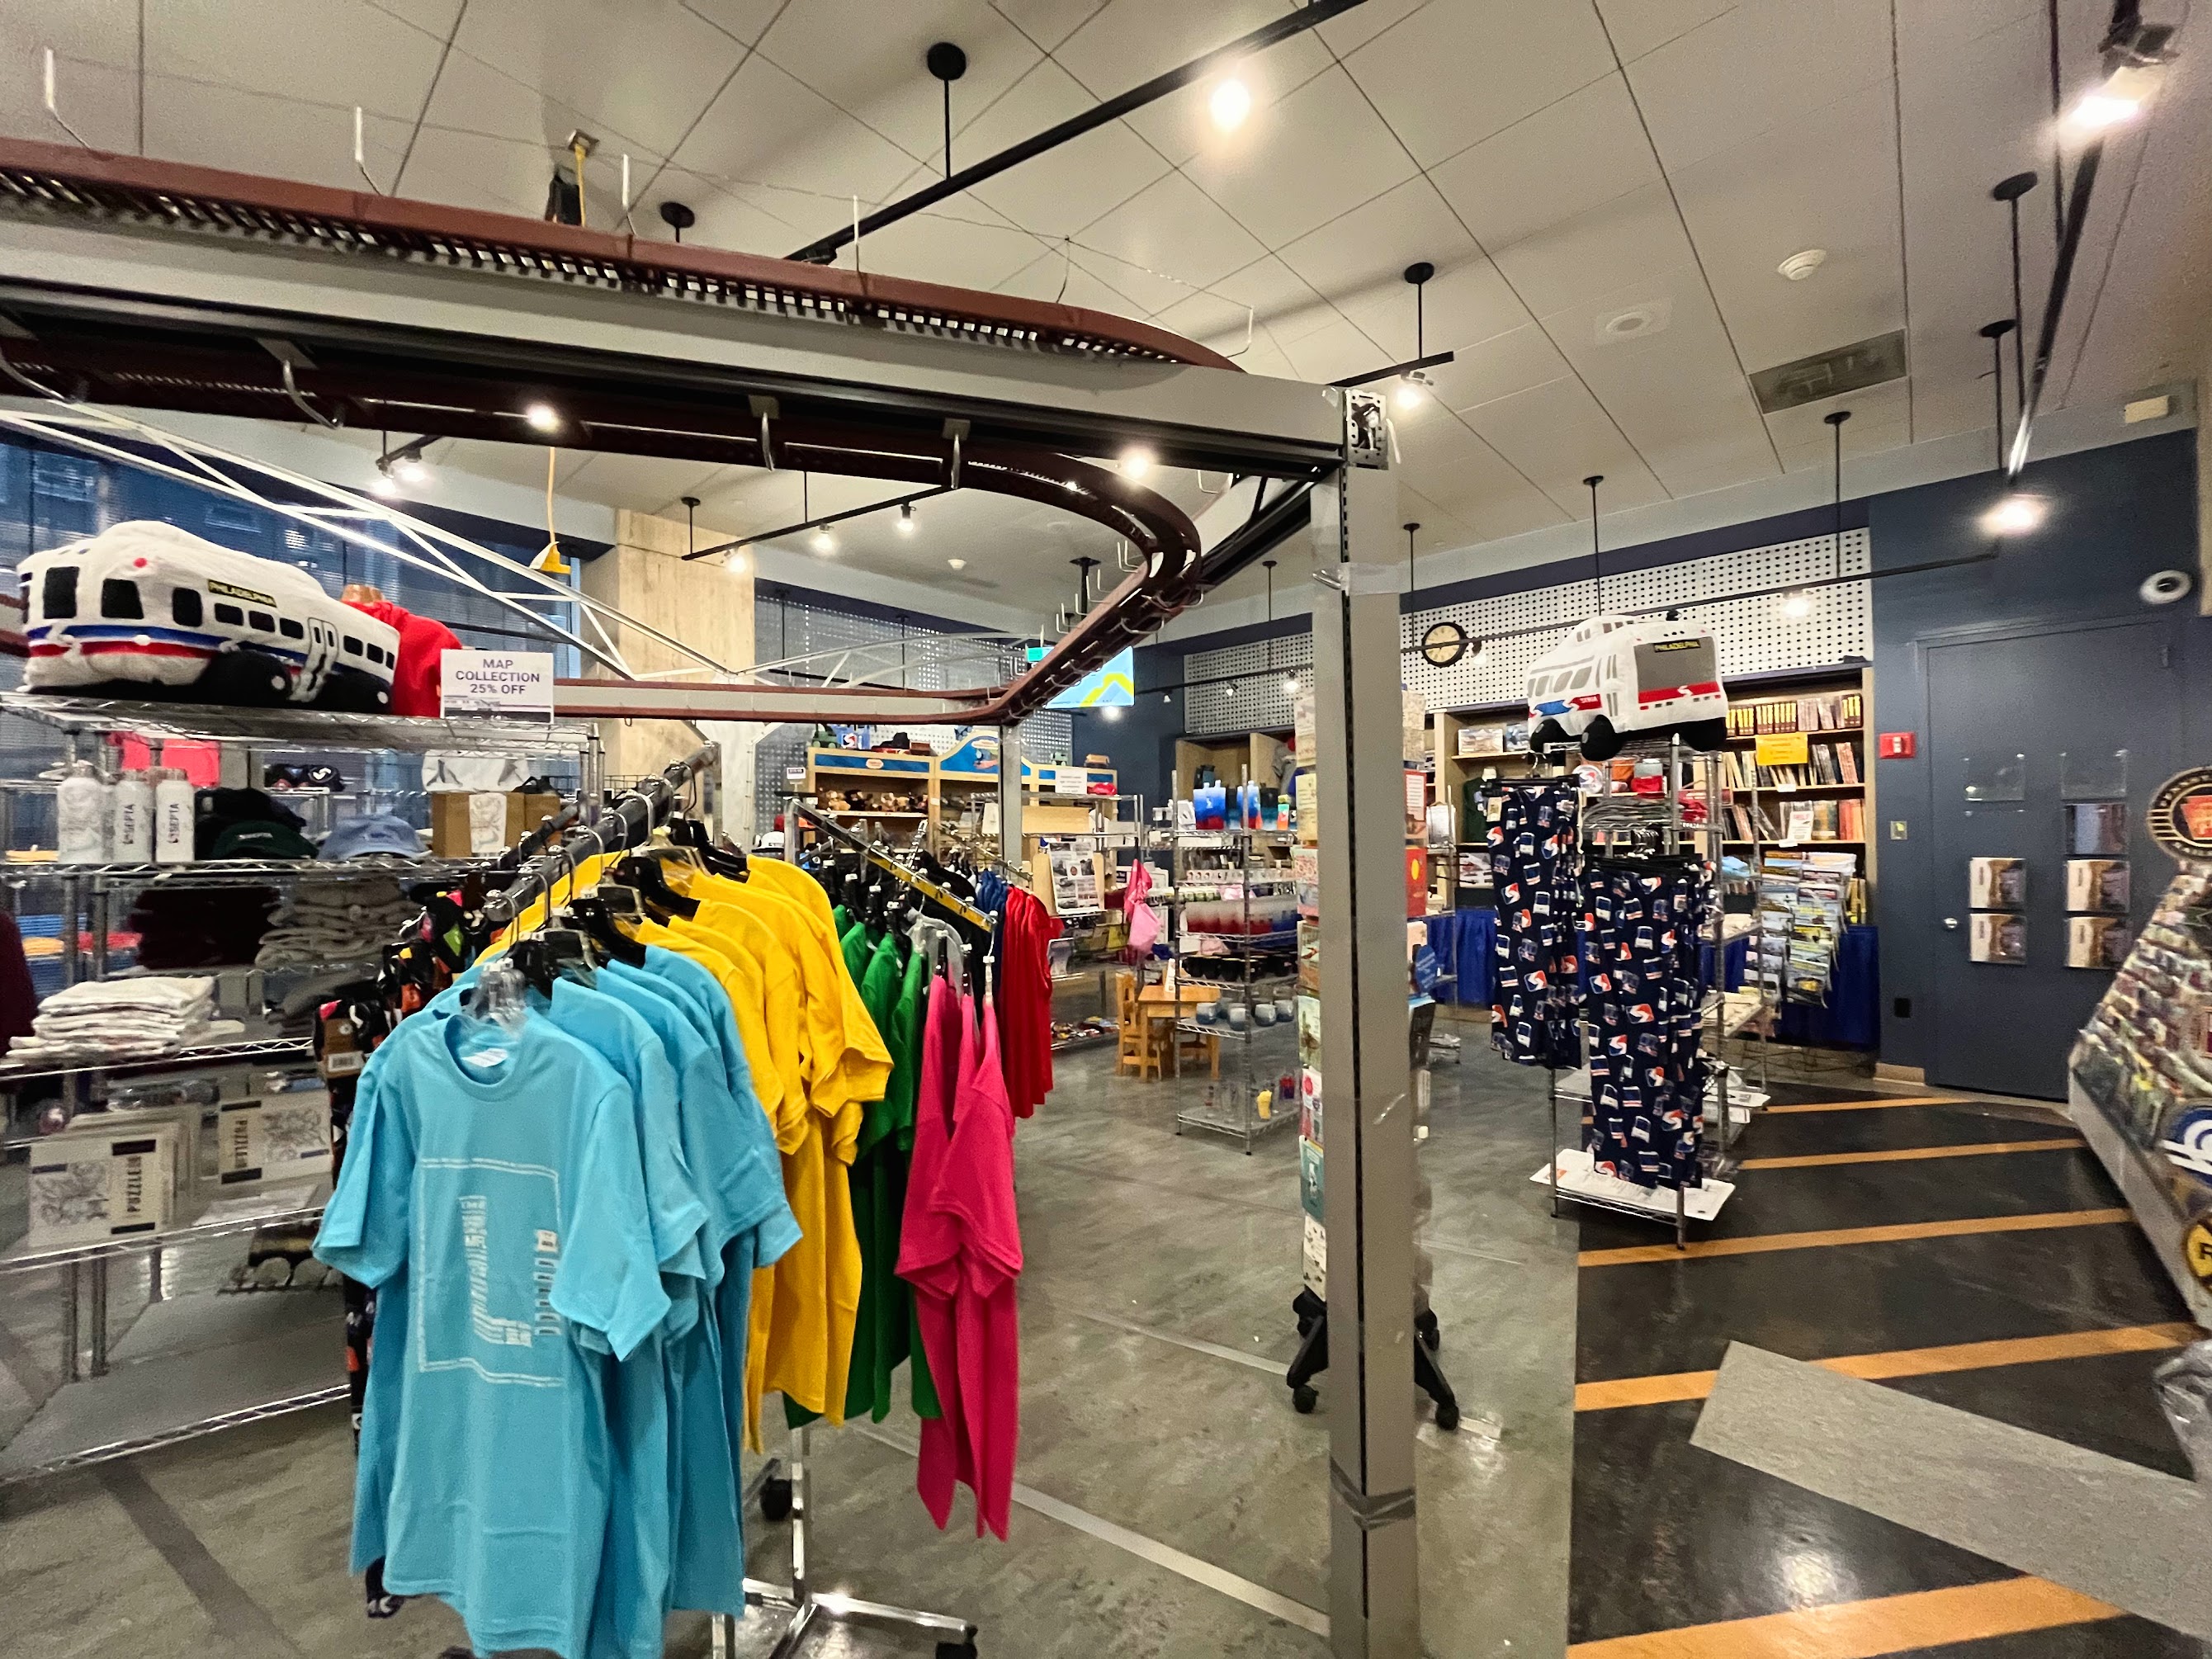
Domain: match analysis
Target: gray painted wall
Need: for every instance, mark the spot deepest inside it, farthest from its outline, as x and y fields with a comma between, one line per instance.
x=2118, y=514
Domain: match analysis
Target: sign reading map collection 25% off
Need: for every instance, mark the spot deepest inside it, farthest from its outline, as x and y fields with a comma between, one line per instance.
x=517, y=683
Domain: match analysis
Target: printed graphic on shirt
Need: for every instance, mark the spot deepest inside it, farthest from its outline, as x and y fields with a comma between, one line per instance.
x=488, y=1235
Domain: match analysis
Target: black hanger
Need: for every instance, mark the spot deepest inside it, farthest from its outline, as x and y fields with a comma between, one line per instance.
x=690, y=834
x=644, y=876
x=532, y=957
x=594, y=918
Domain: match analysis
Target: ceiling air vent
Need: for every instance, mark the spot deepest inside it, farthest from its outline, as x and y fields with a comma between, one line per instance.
x=1831, y=374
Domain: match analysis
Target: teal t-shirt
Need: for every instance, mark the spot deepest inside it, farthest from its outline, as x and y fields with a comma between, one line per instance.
x=501, y=1173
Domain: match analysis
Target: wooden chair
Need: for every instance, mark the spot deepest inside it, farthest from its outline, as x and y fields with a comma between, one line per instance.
x=1192, y=1044
x=1134, y=1049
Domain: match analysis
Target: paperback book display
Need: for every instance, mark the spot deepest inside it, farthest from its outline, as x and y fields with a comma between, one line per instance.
x=1801, y=921
x=1833, y=711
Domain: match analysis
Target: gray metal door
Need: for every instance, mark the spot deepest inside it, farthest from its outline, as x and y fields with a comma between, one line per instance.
x=2016, y=725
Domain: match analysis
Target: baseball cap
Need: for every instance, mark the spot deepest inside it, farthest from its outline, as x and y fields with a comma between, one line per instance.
x=370, y=834
x=259, y=838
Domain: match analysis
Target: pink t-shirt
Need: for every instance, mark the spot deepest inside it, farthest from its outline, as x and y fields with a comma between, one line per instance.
x=960, y=1247
x=929, y=1247
x=978, y=1187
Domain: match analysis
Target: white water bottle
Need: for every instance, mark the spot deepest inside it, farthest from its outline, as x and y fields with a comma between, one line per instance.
x=173, y=817
x=81, y=816
x=131, y=820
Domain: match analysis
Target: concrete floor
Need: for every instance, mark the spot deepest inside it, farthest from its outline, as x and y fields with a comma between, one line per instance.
x=1169, y=1485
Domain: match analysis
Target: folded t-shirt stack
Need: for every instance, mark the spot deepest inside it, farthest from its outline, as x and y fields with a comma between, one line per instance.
x=123, y=1018
x=336, y=919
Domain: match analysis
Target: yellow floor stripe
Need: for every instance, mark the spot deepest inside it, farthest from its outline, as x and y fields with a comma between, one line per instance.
x=1868, y=1629
x=1761, y=1243
x=1872, y=1105
x=1914, y=1154
x=1904, y=1361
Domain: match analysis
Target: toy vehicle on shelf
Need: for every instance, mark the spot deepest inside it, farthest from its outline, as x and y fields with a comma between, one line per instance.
x=145, y=610
x=1617, y=677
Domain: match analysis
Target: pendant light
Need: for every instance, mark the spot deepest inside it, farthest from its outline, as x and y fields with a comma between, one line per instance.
x=1413, y=385
x=1597, y=565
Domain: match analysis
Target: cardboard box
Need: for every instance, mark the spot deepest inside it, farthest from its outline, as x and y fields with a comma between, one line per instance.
x=460, y=830
x=89, y=1188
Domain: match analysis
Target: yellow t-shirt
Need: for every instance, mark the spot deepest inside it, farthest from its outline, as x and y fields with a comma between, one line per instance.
x=748, y=942
x=866, y=1063
x=800, y=1328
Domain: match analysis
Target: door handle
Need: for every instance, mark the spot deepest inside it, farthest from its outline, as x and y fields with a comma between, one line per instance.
x=1951, y=922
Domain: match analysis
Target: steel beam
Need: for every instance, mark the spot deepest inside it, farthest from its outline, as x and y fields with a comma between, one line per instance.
x=1367, y=1110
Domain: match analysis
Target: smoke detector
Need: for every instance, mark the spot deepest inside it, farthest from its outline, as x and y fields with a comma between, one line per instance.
x=1798, y=266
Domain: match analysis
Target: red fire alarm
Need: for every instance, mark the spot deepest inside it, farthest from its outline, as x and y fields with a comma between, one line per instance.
x=1896, y=746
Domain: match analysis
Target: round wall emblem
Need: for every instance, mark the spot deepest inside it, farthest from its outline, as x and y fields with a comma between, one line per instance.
x=2180, y=818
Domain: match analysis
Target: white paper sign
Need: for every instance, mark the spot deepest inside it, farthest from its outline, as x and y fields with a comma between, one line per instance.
x=497, y=682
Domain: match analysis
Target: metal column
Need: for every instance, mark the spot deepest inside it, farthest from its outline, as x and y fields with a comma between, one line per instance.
x=1368, y=1126
x=1010, y=795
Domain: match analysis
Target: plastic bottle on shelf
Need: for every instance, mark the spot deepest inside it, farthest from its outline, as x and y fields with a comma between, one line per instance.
x=81, y=816
x=173, y=817
x=131, y=820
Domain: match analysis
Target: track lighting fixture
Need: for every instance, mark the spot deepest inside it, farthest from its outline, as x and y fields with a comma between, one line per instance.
x=823, y=543
x=543, y=417
x=958, y=564
x=384, y=485
x=1795, y=605
x=906, y=519
x=737, y=559
x=2136, y=56
x=1135, y=463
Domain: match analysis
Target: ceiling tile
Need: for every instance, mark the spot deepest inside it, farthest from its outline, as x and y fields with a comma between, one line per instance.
x=1757, y=66
x=1499, y=367
x=1640, y=26
x=1555, y=434
x=1345, y=35
x=1359, y=262
x=432, y=16
x=1597, y=250
x=252, y=132
x=339, y=53
x=1277, y=302
x=1047, y=22
x=767, y=128
x=1458, y=70
x=1827, y=180
x=469, y=169
x=1817, y=454
x=747, y=220
x=1461, y=473
x=1578, y=153
x=1058, y=277
x=1316, y=154
x=1181, y=125
x=635, y=80
x=741, y=20
x=1063, y=189
x=961, y=252
x=1127, y=42
x=1872, y=410
x=647, y=484
x=95, y=47
x=1170, y=227
x=1331, y=352
x=867, y=59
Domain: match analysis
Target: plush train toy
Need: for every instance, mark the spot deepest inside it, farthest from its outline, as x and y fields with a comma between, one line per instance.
x=146, y=609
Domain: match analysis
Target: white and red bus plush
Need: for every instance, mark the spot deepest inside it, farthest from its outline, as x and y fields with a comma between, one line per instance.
x=146, y=609
x=1614, y=678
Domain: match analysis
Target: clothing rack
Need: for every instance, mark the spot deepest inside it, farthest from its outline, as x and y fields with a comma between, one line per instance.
x=650, y=802
x=884, y=861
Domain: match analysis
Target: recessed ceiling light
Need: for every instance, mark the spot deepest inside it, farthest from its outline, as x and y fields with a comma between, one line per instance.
x=2015, y=515
x=958, y=564
x=1135, y=463
x=1798, y=266
x=1230, y=103
x=543, y=416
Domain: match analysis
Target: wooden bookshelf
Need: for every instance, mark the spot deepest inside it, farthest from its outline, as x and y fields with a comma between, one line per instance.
x=1830, y=710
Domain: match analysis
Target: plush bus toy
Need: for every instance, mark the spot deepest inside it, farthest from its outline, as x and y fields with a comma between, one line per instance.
x=1615, y=678
x=146, y=609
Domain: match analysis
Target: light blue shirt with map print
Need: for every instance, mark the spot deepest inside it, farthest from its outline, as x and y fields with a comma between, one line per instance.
x=500, y=1173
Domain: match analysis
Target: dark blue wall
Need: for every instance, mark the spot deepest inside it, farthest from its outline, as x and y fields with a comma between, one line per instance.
x=2116, y=515
x=1142, y=740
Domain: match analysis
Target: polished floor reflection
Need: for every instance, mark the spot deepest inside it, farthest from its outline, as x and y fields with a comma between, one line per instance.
x=1969, y=1254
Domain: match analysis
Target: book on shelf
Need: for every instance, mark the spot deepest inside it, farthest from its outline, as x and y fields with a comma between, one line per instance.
x=1828, y=711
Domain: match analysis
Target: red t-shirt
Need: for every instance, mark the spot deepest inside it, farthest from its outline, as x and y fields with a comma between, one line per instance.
x=1025, y=999
x=423, y=641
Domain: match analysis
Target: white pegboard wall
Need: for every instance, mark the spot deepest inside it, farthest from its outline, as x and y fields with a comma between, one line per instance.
x=1756, y=635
